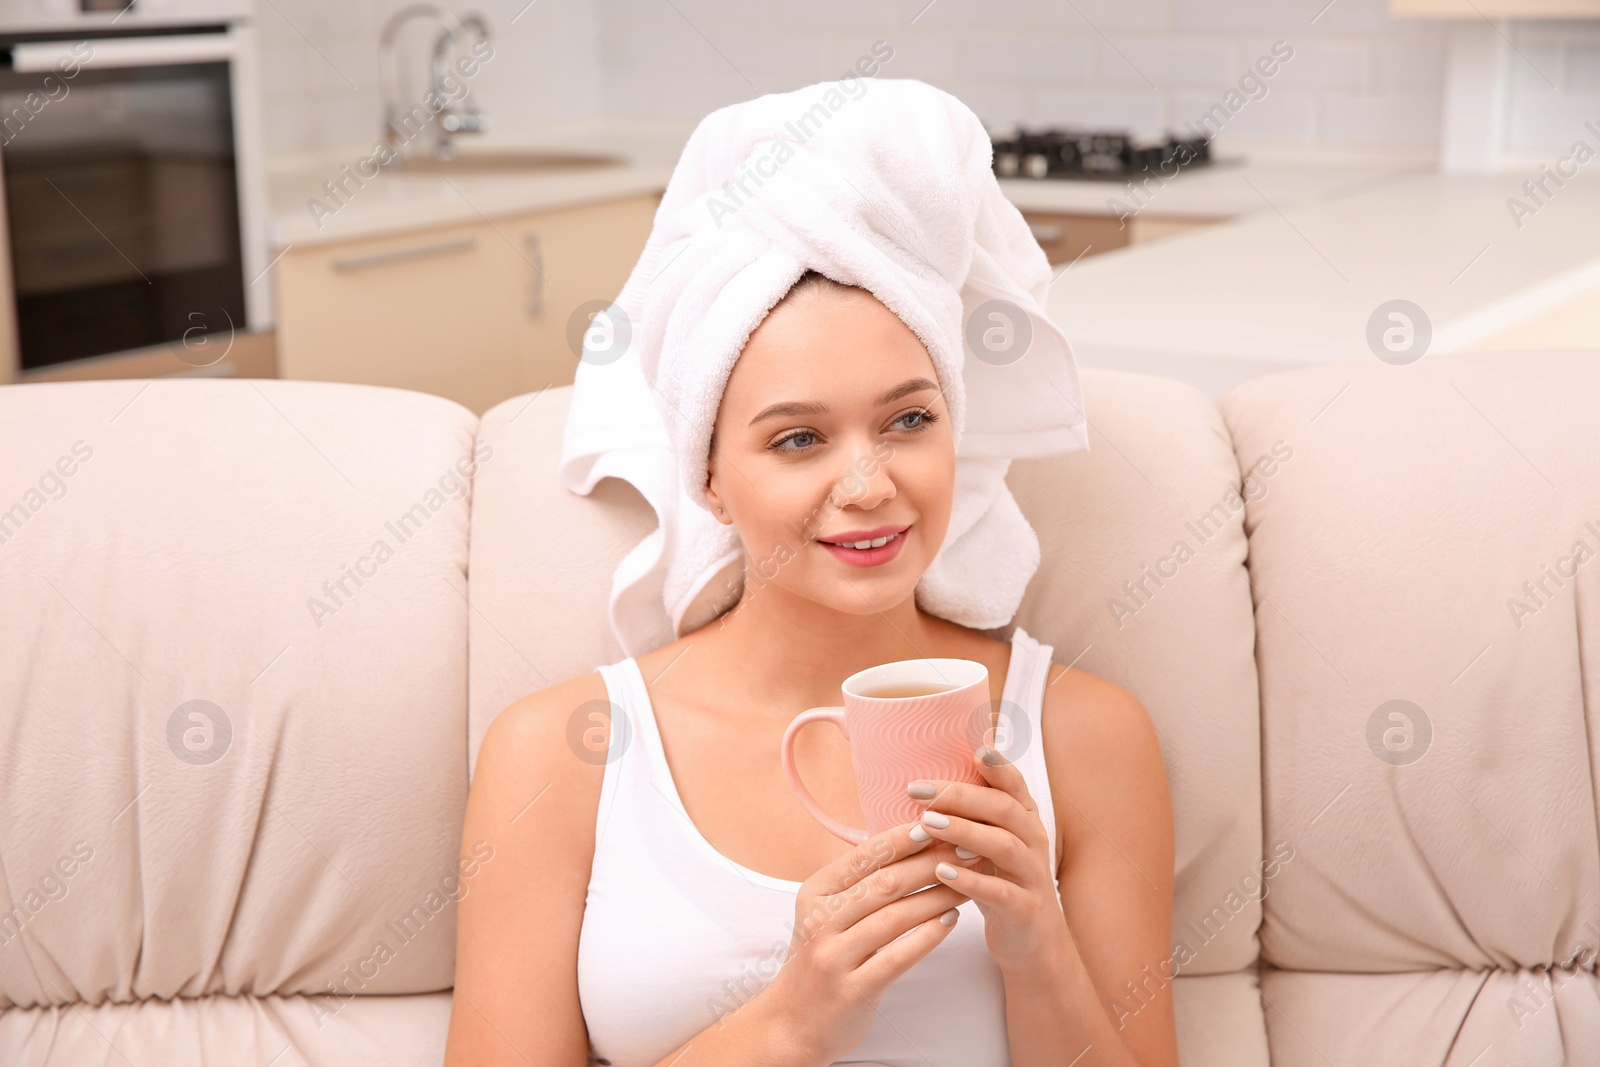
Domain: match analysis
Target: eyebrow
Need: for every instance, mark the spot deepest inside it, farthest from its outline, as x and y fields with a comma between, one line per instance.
x=816, y=407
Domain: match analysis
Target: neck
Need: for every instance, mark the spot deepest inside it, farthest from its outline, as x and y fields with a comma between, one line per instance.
x=785, y=654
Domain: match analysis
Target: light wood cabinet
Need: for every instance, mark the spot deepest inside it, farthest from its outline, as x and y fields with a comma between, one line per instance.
x=477, y=312
x=1065, y=235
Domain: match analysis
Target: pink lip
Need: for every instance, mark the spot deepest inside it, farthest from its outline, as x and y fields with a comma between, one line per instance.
x=864, y=535
x=869, y=557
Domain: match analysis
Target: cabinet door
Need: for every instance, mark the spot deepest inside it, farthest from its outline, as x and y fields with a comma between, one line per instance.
x=1066, y=236
x=575, y=258
x=476, y=312
x=416, y=311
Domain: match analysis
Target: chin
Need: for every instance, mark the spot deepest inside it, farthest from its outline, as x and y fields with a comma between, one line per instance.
x=883, y=588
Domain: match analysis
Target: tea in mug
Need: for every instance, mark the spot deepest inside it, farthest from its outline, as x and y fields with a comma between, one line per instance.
x=907, y=689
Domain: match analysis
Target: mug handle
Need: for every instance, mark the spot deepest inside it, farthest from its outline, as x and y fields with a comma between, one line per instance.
x=853, y=834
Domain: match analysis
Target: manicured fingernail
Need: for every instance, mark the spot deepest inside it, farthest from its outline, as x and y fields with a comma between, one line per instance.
x=920, y=790
x=935, y=820
x=949, y=917
x=988, y=755
x=948, y=871
x=918, y=833
x=964, y=854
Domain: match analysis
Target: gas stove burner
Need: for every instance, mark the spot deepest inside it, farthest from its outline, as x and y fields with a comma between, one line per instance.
x=1116, y=155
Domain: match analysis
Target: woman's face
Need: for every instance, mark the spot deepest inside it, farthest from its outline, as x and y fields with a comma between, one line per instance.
x=833, y=423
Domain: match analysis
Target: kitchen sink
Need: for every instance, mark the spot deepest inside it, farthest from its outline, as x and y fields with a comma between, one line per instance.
x=506, y=161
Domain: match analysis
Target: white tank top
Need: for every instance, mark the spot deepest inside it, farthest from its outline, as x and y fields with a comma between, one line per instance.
x=675, y=935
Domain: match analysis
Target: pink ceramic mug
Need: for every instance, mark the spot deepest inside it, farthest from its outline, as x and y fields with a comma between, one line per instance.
x=895, y=740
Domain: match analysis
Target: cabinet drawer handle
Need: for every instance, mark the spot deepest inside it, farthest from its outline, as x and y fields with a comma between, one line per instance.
x=536, y=280
x=1045, y=231
x=401, y=255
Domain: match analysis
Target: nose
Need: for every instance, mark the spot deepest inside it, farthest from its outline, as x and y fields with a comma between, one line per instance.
x=865, y=481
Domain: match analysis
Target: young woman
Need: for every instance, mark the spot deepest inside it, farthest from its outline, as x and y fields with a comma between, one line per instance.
x=1066, y=861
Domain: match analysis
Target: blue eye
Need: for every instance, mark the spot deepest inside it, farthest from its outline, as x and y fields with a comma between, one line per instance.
x=926, y=418
x=798, y=433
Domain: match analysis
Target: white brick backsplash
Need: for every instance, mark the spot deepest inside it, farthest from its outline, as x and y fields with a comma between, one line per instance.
x=1245, y=16
x=969, y=14
x=539, y=75
x=1545, y=129
x=778, y=62
x=287, y=63
x=344, y=125
x=1319, y=62
x=827, y=16
x=616, y=13
x=1347, y=16
x=318, y=21
x=1137, y=112
x=1020, y=59
x=1583, y=69
x=1167, y=65
x=287, y=124
x=995, y=106
x=1279, y=115
x=1358, y=76
x=934, y=58
x=1570, y=32
x=1084, y=16
x=1537, y=68
x=1418, y=64
x=648, y=88
x=1407, y=119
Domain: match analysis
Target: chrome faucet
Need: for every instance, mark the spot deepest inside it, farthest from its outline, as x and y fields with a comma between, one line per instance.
x=470, y=120
x=400, y=128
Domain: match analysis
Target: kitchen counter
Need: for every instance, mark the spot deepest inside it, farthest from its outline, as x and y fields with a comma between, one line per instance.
x=1234, y=183
x=395, y=201
x=1313, y=241
x=1293, y=285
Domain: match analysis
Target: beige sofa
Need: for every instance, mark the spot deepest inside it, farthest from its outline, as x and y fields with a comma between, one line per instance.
x=235, y=734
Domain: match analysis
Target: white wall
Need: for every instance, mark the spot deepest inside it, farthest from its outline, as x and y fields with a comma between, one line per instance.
x=1357, y=77
x=320, y=65
x=1555, y=87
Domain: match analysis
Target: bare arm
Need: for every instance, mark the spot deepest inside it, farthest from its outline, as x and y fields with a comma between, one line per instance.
x=533, y=801
x=1116, y=891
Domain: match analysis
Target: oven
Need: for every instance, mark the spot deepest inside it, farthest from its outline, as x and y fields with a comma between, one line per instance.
x=130, y=179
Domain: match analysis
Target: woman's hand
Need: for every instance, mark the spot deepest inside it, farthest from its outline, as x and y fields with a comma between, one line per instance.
x=1014, y=884
x=861, y=922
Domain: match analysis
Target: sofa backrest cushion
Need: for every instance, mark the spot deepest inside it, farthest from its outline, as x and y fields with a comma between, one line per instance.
x=1427, y=579
x=232, y=689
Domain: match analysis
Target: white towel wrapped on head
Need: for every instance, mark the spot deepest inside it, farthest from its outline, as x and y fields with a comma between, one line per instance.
x=891, y=190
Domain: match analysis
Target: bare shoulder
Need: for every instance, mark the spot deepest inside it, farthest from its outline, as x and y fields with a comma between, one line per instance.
x=1093, y=710
x=536, y=786
x=546, y=749
x=537, y=724
x=530, y=822
x=1104, y=761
